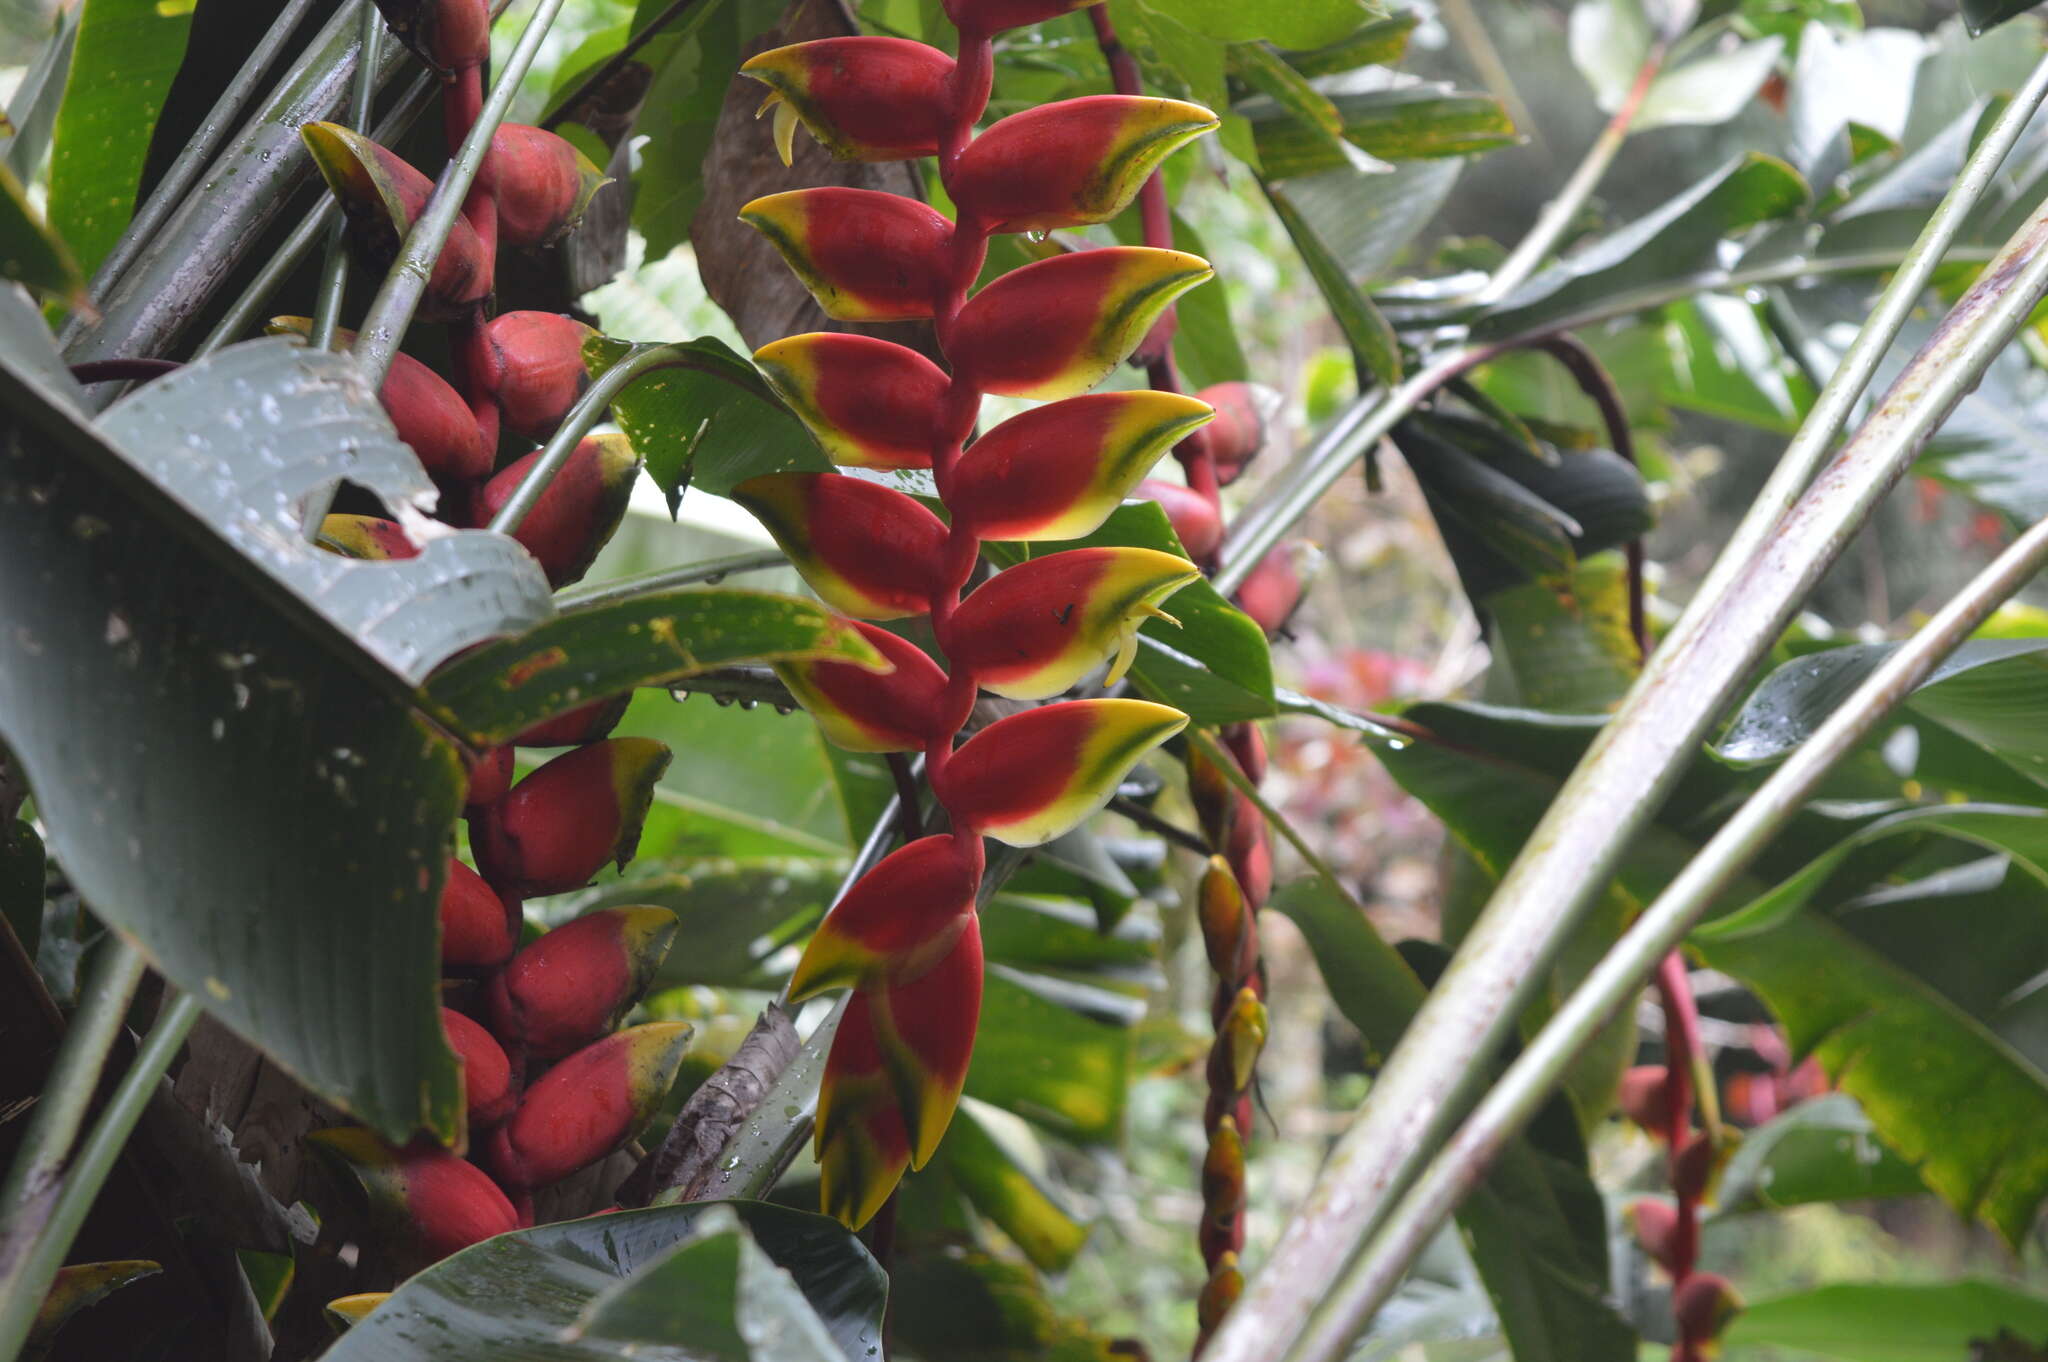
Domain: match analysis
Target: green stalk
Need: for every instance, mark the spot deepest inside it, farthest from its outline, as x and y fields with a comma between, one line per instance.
x=1622, y=779
x=711, y=570
x=334, y=270
x=406, y=283
x=68, y=1090
x=1528, y=1082
x=641, y=359
x=170, y=190
x=29, y=1281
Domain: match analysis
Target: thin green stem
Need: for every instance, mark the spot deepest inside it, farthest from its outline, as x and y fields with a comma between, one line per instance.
x=171, y=189
x=30, y=1281
x=1624, y=777
x=1528, y=1082
x=641, y=359
x=667, y=579
x=68, y=1090
x=392, y=310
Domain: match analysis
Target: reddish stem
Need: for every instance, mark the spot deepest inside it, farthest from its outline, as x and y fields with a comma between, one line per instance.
x=1681, y=1044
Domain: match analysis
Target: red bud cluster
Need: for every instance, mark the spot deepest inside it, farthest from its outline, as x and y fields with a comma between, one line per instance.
x=905, y=937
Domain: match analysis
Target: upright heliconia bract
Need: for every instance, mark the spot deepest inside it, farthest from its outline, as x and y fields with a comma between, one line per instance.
x=905, y=938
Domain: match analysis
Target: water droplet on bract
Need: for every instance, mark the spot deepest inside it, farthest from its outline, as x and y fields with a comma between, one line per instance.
x=1036, y=235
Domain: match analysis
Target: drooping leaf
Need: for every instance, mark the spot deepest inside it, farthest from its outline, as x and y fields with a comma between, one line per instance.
x=127, y=52
x=1368, y=220
x=1891, y=1321
x=499, y=690
x=1412, y=123
x=708, y=420
x=1676, y=239
x=1374, y=349
x=1005, y=1193
x=29, y=252
x=672, y=1281
x=1824, y=1149
x=1306, y=113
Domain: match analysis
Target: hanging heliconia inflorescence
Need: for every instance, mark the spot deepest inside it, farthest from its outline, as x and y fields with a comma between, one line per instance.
x=905, y=937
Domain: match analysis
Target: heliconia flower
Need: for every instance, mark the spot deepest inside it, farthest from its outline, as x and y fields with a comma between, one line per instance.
x=453, y=35
x=1035, y=629
x=486, y=1072
x=864, y=99
x=1241, y=1036
x=1703, y=1305
x=578, y=513
x=489, y=778
x=1251, y=857
x=381, y=195
x=1247, y=742
x=1070, y=163
x=1057, y=471
x=985, y=17
x=865, y=255
x=867, y=550
x=868, y=403
x=1196, y=521
x=428, y=414
x=441, y=1202
x=575, y=982
x=1694, y=1170
x=588, y=1105
x=531, y=364
x=1026, y=779
x=1214, y=796
x=865, y=711
x=895, y=923
x=564, y=822
x=1056, y=327
x=344, y=1312
x=476, y=924
x=1240, y=430
x=366, y=536
x=861, y=1143
x=1226, y=925
x=1645, y=1097
x=1654, y=1223
x=543, y=184
x=893, y=1079
x=1223, y=1173
x=1272, y=591
x=585, y=723
x=1219, y=1293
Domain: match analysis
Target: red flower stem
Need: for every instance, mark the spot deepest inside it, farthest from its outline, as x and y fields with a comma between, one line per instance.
x=1161, y=373
x=462, y=103
x=1682, y=1045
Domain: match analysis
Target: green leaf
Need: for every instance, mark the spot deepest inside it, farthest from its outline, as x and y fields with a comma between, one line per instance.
x=1304, y=109
x=1005, y=1193
x=1709, y=89
x=1204, y=338
x=1941, y=1089
x=497, y=691
x=1299, y=23
x=1374, y=349
x=707, y=418
x=1565, y=645
x=1983, y=15
x=1040, y=1058
x=701, y=1281
x=1368, y=220
x=29, y=253
x=1216, y=666
x=1379, y=43
x=1677, y=239
x=1891, y=1321
x=1536, y=1227
x=735, y=915
x=21, y=883
x=224, y=775
x=1823, y=1149
x=1610, y=40
x=121, y=69
x=1414, y=123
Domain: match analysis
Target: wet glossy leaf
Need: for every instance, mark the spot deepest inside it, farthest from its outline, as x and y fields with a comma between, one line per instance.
x=709, y=420
x=702, y=1281
x=1891, y=1321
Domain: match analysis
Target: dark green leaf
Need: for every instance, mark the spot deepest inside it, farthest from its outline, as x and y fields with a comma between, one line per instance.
x=1415, y=123
x=1036, y=1056
x=1304, y=110
x=1891, y=1321
x=1532, y=535
x=1981, y=15
x=1379, y=43
x=969, y=1306
x=1677, y=239
x=735, y=915
x=1940, y=1088
x=1374, y=349
x=29, y=253
x=121, y=69
x=499, y=690
x=1824, y=1149
x=1367, y=979
x=224, y=775
x=674, y=1281
x=1003, y=1192
x=707, y=419
x=1368, y=220
x=21, y=882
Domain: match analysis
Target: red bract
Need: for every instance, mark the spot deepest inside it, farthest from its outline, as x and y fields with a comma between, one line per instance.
x=894, y=924
x=490, y=777
x=1026, y=779
x=543, y=184
x=587, y=1105
x=577, y=514
x=563, y=823
x=982, y=17
x=381, y=196
x=1072, y=163
x=864, y=711
x=869, y=403
x=866, y=549
x=865, y=99
x=531, y=365
x=486, y=1072
x=428, y=414
x=476, y=925
x=441, y=1202
x=575, y=982
x=1240, y=429
x=366, y=536
x=1197, y=522
x=865, y=256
